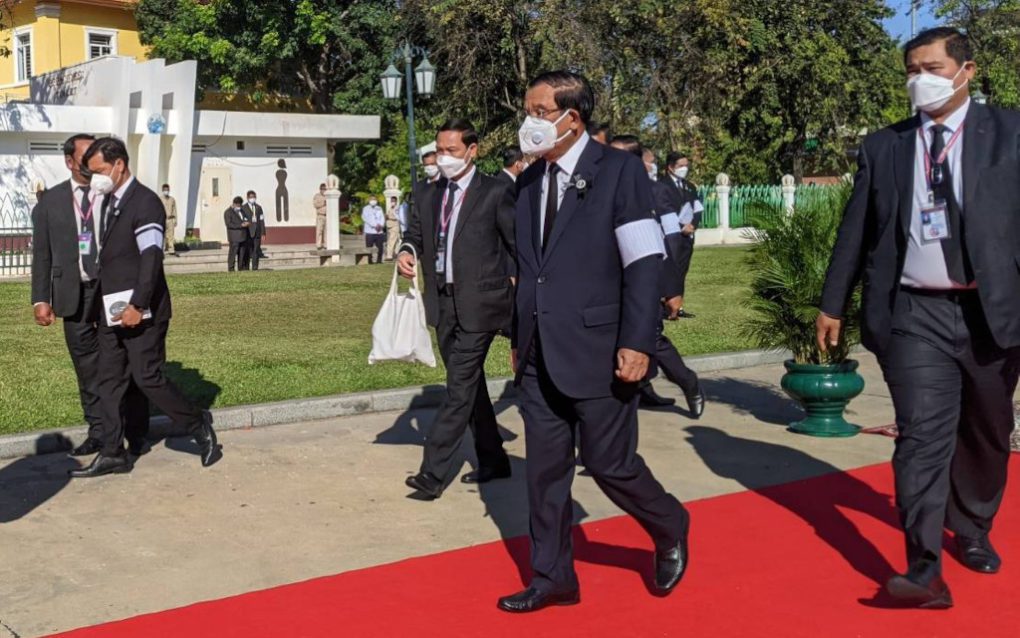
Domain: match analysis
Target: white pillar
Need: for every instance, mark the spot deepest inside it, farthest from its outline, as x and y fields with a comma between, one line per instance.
x=789, y=192
x=333, y=217
x=722, y=192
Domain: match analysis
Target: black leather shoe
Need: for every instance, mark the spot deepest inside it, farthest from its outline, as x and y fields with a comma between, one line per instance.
x=89, y=447
x=696, y=403
x=485, y=474
x=684, y=314
x=671, y=564
x=651, y=399
x=139, y=448
x=978, y=554
x=532, y=599
x=911, y=592
x=102, y=465
x=428, y=485
x=205, y=436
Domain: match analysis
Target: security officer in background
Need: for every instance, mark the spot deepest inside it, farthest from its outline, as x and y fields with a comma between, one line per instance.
x=65, y=273
x=132, y=334
x=462, y=229
x=687, y=204
x=170, y=205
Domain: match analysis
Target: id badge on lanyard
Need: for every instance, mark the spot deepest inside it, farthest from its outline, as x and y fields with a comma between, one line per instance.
x=444, y=226
x=935, y=214
x=84, y=237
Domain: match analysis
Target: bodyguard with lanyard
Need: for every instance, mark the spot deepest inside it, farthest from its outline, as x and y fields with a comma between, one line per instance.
x=462, y=227
x=931, y=230
x=64, y=284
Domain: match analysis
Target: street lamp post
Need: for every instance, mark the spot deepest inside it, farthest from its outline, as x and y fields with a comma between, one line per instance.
x=424, y=77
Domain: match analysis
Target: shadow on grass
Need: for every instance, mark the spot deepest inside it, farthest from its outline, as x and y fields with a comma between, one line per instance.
x=28, y=483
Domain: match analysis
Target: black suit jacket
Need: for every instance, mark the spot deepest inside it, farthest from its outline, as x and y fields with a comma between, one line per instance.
x=577, y=292
x=258, y=220
x=682, y=194
x=129, y=257
x=503, y=178
x=236, y=234
x=872, y=241
x=483, y=241
x=56, y=275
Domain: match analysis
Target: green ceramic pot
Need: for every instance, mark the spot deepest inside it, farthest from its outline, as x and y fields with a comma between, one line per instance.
x=824, y=392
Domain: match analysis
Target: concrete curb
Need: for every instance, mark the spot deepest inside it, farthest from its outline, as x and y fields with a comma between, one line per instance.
x=317, y=408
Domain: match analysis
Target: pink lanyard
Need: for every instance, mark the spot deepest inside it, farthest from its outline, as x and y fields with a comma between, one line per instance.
x=444, y=221
x=942, y=156
x=77, y=207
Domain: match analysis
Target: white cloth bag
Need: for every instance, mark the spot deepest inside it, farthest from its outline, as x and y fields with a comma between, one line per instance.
x=400, y=331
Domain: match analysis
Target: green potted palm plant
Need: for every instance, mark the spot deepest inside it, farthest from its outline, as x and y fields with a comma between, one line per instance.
x=788, y=260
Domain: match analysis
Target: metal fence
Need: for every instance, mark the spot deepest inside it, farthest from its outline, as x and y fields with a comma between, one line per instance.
x=15, y=236
x=747, y=201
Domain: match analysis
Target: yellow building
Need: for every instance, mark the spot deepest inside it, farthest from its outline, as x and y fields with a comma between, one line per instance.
x=46, y=35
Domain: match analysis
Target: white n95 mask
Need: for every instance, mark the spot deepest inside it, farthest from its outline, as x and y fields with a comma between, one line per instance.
x=451, y=166
x=538, y=136
x=930, y=92
x=431, y=170
x=101, y=184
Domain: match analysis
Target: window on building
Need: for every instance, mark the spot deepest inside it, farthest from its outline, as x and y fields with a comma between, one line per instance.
x=23, y=57
x=101, y=44
x=216, y=187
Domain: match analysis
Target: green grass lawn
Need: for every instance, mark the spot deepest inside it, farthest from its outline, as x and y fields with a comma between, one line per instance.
x=253, y=337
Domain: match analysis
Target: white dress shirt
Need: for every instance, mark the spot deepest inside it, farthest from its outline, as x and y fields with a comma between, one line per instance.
x=76, y=193
x=567, y=164
x=925, y=264
x=458, y=201
x=512, y=176
x=373, y=217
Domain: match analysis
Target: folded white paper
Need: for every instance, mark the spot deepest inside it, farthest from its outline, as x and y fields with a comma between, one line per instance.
x=116, y=303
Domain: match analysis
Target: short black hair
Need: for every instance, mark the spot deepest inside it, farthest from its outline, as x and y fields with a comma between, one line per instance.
x=467, y=131
x=957, y=43
x=166, y=185
x=238, y=200
x=675, y=156
x=511, y=155
x=111, y=148
x=425, y=156
x=594, y=128
x=629, y=143
x=73, y=140
x=572, y=91
x=250, y=193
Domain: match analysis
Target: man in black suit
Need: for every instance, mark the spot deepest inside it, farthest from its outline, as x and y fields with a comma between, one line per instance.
x=462, y=229
x=513, y=166
x=64, y=282
x=588, y=304
x=931, y=229
x=132, y=332
x=238, y=222
x=686, y=203
x=257, y=230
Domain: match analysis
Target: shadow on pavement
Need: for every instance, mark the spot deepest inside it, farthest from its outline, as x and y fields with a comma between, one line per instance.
x=765, y=402
x=757, y=465
x=199, y=391
x=27, y=483
x=411, y=426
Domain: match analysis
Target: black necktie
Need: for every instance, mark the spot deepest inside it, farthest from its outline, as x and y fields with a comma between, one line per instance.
x=552, y=203
x=953, y=249
x=451, y=194
x=88, y=261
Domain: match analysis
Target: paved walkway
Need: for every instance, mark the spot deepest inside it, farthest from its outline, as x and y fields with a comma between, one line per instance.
x=293, y=502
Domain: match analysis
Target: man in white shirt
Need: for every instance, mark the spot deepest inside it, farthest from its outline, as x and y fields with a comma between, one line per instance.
x=373, y=221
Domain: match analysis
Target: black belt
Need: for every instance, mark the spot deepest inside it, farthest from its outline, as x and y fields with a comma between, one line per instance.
x=953, y=294
x=446, y=290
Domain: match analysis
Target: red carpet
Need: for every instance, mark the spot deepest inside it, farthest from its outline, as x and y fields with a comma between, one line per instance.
x=800, y=559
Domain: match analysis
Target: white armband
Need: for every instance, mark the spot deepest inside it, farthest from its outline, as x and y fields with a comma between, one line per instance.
x=149, y=236
x=639, y=239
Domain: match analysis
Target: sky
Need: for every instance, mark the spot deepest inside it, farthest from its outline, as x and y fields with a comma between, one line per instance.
x=899, y=25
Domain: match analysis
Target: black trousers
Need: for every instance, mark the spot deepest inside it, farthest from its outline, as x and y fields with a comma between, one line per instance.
x=685, y=250
x=377, y=241
x=608, y=431
x=672, y=365
x=952, y=389
x=467, y=403
x=81, y=334
x=138, y=355
x=239, y=254
x=256, y=251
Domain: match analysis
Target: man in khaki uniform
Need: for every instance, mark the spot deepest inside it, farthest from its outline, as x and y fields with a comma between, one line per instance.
x=170, y=206
x=392, y=228
x=319, y=202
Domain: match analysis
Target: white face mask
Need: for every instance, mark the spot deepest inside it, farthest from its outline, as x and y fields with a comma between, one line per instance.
x=451, y=166
x=251, y=200
x=681, y=172
x=166, y=193
x=431, y=170
x=373, y=202
x=538, y=136
x=101, y=184
x=930, y=92
x=653, y=170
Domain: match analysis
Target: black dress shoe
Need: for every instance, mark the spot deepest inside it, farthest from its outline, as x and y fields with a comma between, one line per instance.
x=88, y=448
x=684, y=314
x=651, y=399
x=205, y=436
x=978, y=554
x=671, y=564
x=139, y=448
x=102, y=465
x=696, y=403
x=532, y=599
x=485, y=474
x=429, y=486
x=913, y=592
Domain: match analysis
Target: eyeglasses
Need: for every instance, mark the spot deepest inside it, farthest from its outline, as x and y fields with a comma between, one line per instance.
x=542, y=113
